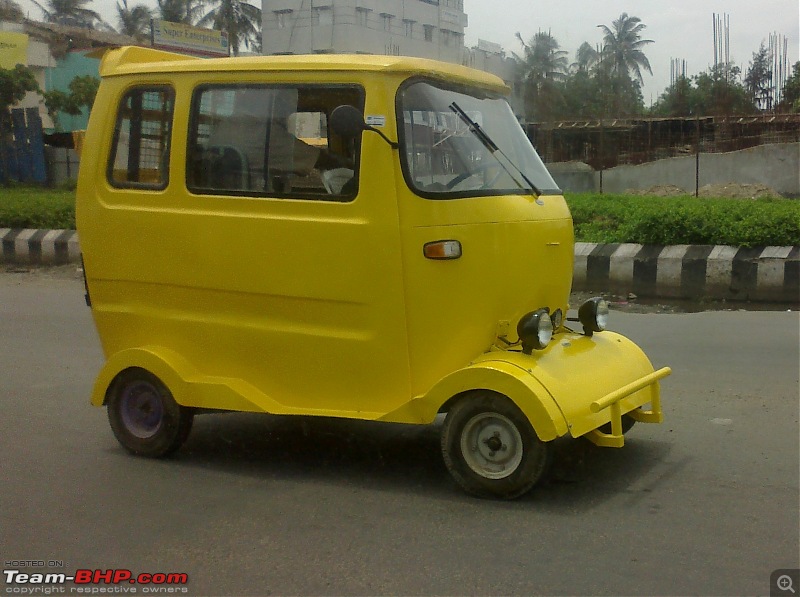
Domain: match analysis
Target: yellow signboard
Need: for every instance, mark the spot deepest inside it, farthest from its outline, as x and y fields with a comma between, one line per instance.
x=196, y=41
x=13, y=49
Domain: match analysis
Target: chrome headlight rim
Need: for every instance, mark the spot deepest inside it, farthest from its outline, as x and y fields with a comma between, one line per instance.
x=535, y=330
x=593, y=315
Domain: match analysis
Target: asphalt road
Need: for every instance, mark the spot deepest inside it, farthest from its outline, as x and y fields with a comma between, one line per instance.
x=705, y=504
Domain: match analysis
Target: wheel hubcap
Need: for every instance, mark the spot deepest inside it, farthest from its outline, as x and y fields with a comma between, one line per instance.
x=141, y=409
x=491, y=445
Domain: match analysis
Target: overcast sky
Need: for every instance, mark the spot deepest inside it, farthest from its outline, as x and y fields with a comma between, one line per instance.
x=680, y=28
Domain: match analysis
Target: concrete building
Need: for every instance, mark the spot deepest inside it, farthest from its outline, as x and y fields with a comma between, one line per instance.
x=36, y=55
x=56, y=54
x=422, y=28
x=490, y=57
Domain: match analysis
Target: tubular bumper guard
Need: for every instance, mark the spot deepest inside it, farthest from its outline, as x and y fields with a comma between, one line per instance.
x=615, y=439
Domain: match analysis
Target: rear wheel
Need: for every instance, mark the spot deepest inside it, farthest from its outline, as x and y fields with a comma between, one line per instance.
x=490, y=447
x=144, y=416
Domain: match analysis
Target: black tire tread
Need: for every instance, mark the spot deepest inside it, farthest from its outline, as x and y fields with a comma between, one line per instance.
x=177, y=419
x=536, y=454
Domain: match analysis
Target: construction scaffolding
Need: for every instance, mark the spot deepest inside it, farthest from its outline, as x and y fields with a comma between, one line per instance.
x=607, y=143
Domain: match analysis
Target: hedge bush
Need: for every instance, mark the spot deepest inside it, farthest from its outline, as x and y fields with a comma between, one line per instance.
x=597, y=218
x=36, y=207
x=685, y=220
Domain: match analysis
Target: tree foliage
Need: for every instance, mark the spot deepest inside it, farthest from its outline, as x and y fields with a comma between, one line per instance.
x=622, y=48
x=69, y=12
x=603, y=82
x=790, y=101
x=758, y=80
x=81, y=94
x=544, y=66
x=11, y=11
x=180, y=11
x=716, y=92
x=135, y=21
x=240, y=20
x=15, y=83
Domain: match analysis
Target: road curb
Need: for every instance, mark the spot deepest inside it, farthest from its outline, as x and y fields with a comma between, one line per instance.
x=679, y=271
x=39, y=247
x=696, y=272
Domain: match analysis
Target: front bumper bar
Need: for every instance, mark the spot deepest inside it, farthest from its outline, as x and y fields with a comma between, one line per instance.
x=615, y=439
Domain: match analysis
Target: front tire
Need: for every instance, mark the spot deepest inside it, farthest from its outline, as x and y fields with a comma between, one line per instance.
x=627, y=424
x=144, y=416
x=490, y=447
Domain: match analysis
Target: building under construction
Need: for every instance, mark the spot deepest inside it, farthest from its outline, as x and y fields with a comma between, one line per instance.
x=611, y=142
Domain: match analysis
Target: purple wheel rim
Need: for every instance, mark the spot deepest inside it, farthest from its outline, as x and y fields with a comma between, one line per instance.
x=141, y=409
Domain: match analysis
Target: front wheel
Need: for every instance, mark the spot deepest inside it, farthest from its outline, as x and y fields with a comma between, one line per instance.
x=627, y=424
x=144, y=416
x=490, y=447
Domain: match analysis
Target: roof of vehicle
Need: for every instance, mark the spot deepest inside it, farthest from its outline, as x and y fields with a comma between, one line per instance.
x=139, y=60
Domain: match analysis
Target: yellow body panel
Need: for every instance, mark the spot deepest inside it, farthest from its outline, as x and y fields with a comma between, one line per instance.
x=330, y=308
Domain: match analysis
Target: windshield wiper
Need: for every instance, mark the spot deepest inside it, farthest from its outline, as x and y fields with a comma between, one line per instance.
x=492, y=148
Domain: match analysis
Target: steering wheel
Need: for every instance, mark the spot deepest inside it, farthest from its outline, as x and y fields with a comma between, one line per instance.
x=482, y=168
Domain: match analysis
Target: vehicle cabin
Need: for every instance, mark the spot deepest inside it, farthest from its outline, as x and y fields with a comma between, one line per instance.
x=369, y=237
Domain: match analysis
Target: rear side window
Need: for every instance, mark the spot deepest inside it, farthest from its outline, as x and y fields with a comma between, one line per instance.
x=140, y=151
x=272, y=141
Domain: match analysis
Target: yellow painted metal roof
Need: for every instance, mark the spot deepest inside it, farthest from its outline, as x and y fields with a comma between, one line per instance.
x=139, y=60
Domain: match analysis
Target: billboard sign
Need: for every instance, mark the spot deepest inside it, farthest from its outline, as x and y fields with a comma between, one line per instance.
x=13, y=49
x=195, y=41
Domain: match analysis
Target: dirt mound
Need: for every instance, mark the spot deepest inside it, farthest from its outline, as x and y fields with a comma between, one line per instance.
x=735, y=190
x=731, y=190
x=660, y=190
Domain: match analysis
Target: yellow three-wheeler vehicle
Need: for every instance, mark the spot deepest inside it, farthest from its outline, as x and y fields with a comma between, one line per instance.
x=370, y=237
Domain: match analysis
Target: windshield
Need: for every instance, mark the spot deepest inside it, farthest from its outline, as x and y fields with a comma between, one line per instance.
x=444, y=159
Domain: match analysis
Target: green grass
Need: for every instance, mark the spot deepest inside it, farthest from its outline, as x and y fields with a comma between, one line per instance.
x=685, y=220
x=597, y=218
x=23, y=206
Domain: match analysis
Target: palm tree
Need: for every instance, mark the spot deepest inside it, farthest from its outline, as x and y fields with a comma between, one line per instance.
x=622, y=47
x=11, y=11
x=180, y=11
x=241, y=21
x=543, y=66
x=133, y=21
x=69, y=12
x=586, y=58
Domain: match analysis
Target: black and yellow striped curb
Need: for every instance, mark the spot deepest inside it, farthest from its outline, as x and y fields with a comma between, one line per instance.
x=679, y=271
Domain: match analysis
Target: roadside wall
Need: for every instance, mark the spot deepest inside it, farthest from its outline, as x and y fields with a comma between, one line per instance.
x=575, y=177
x=776, y=166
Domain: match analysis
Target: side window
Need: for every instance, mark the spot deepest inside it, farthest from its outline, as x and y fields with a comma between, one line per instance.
x=273, y=141
x=140, y=151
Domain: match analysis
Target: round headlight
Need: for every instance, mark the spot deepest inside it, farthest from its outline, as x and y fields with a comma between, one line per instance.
x=535, y=330
x=593, y=315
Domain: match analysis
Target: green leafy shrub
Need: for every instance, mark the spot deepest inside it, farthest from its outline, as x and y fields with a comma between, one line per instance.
x=35, y=207
x=685, y=220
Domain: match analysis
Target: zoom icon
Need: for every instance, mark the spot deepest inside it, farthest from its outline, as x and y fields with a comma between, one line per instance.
x=784, y=582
